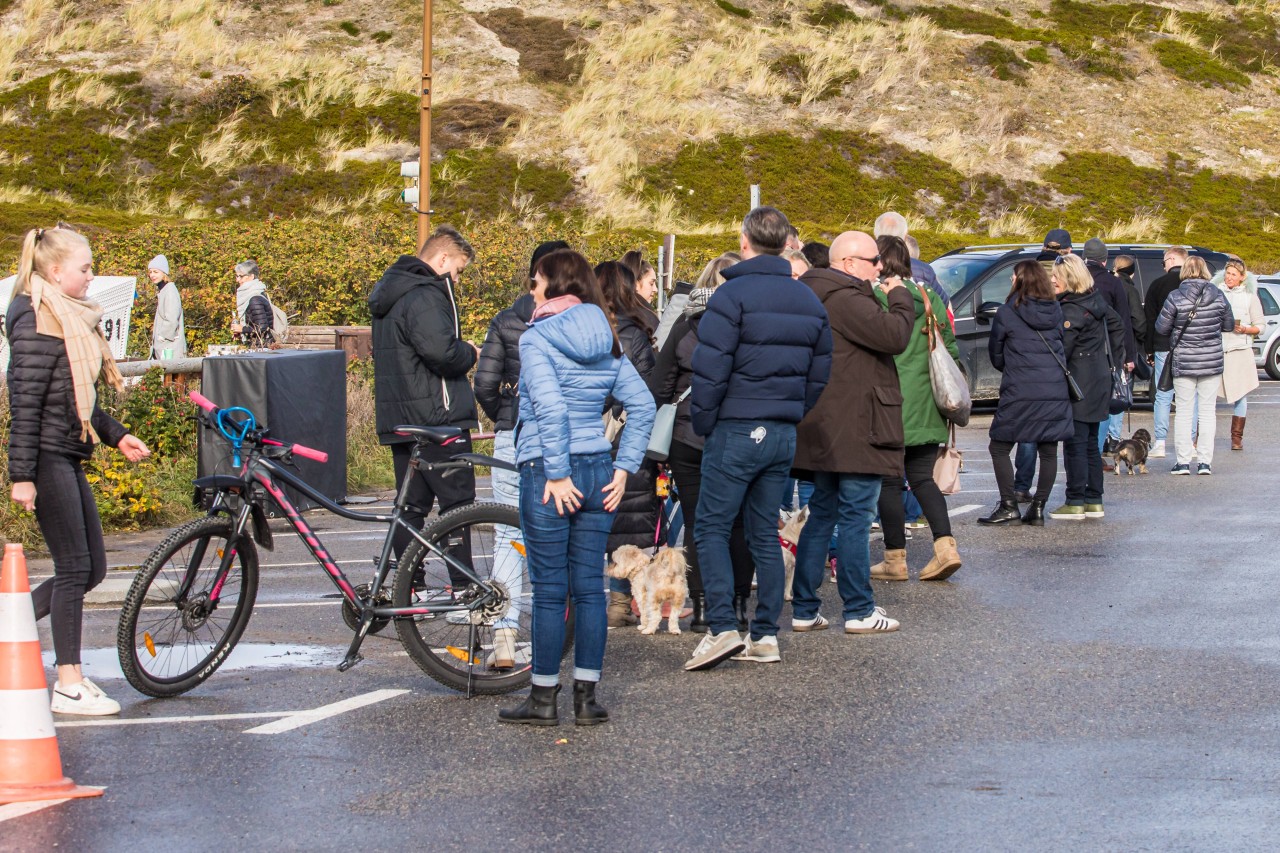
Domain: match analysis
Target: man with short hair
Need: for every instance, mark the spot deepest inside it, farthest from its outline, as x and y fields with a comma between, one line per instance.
x=854, y=437
x=1111, y=289
x=763, y=358
x=1158, y=344
x=420, y=370
x=892, y=224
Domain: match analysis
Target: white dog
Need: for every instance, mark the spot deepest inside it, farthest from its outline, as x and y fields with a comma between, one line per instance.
x=654, y=582
x=789, y=527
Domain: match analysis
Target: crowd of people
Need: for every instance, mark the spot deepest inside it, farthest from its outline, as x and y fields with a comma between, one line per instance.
x=784, y=361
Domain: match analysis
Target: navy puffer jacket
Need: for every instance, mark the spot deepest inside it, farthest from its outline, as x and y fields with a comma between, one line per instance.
x=1197, y=351
x=764, y=347
x=1034, y=402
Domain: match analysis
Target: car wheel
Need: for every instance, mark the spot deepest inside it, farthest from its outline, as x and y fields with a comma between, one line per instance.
x=1272, y=363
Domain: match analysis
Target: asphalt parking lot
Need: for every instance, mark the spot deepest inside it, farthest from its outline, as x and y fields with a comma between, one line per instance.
x=1105, y=685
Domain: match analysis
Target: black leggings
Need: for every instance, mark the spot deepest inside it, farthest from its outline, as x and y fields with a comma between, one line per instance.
x=1003, y=468
x=68, y=519
x=918, y=462
x=686, y=468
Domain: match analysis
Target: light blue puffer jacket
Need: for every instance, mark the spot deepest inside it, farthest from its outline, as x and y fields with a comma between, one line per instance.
x=567, y=370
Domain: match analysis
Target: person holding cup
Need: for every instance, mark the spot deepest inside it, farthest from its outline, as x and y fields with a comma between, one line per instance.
x=168, y=332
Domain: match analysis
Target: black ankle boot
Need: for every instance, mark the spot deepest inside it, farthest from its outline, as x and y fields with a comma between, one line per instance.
x=538, y=710
x=586, y=712
x=1003, y=514
x=1034, y=514
x=740, y=611
x=698, y=621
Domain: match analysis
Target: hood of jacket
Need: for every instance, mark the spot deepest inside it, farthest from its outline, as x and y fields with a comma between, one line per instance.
x=408, y=272
x=582, y=333
x=1040, y=314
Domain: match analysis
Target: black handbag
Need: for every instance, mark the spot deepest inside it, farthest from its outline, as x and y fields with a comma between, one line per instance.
x=1165, y=382
x=1121, y=384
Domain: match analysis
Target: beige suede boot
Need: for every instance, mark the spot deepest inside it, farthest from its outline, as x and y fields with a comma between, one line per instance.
x=894, y=567
x=619, y=612
x=945, y=562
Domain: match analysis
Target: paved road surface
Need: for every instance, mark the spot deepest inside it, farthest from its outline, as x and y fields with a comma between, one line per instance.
x=1105, y=685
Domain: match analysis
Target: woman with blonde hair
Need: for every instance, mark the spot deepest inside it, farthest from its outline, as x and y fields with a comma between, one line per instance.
x=57, y=355
x=1239, y=373
x=1194, y=317
x=1093, y=340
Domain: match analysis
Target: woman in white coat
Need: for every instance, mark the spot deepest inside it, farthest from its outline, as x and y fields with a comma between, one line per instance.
x=1240, y=374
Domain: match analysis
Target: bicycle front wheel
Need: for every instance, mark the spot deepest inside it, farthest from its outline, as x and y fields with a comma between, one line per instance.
x=497, y=657
x=181, y=617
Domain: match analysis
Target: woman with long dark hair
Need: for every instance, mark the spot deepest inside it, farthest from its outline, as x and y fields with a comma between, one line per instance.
x=570, y=487
x=1035, y=405
x=637, y=519
x=57, y=356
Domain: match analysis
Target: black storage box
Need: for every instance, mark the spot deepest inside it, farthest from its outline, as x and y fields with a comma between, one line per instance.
x=300, y=395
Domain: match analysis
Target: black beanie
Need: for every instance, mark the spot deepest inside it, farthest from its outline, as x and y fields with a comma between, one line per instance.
x=543, y=250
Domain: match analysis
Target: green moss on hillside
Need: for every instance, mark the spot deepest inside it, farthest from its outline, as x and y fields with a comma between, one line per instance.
x=1004, y=62
x=1248, y=39
x=1197, y=66
x=484, y=183
x=966, y=20
x=736, y=11
x=830, y=15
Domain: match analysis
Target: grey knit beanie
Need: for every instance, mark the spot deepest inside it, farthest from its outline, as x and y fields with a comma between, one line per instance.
x=159, y=262
x=1095, y=250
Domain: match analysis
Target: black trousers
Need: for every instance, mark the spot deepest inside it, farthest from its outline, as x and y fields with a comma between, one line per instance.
x=69, y=522
x=918, y=462
x=686, y=468
x=1083, y=462
x=451, y=487
x=1003, y=467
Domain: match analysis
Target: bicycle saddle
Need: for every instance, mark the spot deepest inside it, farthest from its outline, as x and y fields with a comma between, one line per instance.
x=434, y=435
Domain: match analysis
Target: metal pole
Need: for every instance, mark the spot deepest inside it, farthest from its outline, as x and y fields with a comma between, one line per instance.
x=424, y=133
x=755, y=196
x=661, y=284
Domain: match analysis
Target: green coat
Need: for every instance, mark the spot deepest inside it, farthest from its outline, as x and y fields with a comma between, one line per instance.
x=922, y=423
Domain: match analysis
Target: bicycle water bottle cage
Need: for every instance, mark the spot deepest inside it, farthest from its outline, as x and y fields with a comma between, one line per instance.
x=233, y=430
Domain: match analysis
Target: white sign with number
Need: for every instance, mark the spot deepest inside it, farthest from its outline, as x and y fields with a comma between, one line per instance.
x=115, y=293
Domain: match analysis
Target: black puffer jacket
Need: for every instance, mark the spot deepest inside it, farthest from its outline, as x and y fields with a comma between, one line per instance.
x=259, y=324
x=1086, y=318
x=42, y=398
x=497, y=379
x=420, y=361
x=1026, y=346
x=1197, y=351
x=636, y=521
x=673, y=375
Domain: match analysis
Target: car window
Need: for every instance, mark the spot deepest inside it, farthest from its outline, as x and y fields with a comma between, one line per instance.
x=994, y=288
x=955, y=271
x=1149, y=269
x=1269, y=306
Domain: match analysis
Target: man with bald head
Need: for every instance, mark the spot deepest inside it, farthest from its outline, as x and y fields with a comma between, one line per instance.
x=854, y=437
x=763, y=356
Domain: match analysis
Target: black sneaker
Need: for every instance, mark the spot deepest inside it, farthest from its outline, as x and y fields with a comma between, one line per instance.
x=1181, y=469
x=1203, y=469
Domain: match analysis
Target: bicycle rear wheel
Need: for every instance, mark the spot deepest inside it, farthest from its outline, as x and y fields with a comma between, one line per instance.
x=168, y=640
x=486, y=537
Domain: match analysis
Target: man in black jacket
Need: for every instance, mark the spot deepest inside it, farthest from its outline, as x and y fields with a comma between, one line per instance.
x=1158, y=344
x=420, y=369
x=1111, y=289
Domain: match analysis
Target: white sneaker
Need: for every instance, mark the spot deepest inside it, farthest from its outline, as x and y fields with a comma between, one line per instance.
x=714, y=649
x=817, y=623
x=85, y=699
x=763, y=650
x=878, y=622
x=1157, y=450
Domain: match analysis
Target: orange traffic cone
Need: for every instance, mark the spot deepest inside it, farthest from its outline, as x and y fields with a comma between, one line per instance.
x=30, y=766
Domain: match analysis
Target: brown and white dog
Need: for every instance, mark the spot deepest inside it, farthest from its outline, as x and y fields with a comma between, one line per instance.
x=1132, y=452
x=654, y=582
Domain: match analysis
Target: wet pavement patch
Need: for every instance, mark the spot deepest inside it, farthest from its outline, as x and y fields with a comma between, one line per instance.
x=104, y=664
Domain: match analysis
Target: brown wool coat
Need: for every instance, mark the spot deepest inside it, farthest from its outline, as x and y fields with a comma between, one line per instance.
x=856, y=428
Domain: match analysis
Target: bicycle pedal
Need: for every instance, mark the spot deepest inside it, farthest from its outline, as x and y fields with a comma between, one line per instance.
x=349, y=661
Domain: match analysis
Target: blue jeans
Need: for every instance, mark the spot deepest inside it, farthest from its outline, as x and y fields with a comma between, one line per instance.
x=1163, y=400
x=566, y=556
x=1115, y=427
x=749, y=463
x=851, y=500
x=508, y=565
x=910, y=506
x=1024, y=466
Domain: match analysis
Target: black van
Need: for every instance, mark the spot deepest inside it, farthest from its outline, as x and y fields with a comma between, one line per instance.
x=977, y=277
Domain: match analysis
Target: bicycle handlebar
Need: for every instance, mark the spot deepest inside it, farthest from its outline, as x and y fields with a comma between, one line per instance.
x=297, y=449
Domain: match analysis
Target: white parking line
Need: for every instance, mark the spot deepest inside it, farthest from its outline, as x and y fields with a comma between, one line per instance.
x=961, y=510
x=288, y=720
x=13, y=810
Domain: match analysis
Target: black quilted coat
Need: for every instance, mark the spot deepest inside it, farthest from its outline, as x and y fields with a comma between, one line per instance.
x=42, y=398
x=497, y=379
x=636, y=521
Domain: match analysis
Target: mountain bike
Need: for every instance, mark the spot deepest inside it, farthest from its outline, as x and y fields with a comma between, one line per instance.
x=460, y=596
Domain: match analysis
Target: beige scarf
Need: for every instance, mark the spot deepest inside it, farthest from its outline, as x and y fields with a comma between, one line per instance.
x=75, y=321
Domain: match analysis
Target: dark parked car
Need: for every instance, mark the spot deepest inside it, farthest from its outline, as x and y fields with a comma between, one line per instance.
x=977, y=277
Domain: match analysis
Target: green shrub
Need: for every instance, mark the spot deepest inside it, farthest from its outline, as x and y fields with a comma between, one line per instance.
x=831, y=15
x=1037, y=54
x=965, y=20
x=737, y=11
x=1003, y=61
x=382, y=36
x=1197, y=66
x=1248, y=39
x=350, y=28
x=157, y=413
